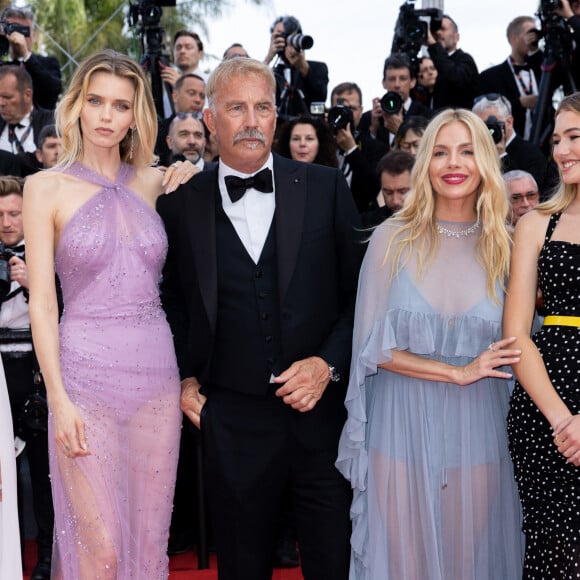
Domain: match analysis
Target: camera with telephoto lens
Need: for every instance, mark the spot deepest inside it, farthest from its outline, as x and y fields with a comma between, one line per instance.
x=411, y=28
x=340, y=116
x=7, y=28
x=5, y=254
x=293, y=35
x=496, y=128
x=391, y=103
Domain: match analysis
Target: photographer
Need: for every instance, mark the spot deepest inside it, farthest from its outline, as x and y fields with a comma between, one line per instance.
x=457, y=74
x=570, y=10
x=299, y=82
x=518, y=77
x=19, y=366
x=358, y=153
x=383, y=122
x=514, y=152
x=44, y=70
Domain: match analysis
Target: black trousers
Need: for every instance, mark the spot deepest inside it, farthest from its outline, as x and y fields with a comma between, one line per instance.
x=252, y=459
x=19, y=379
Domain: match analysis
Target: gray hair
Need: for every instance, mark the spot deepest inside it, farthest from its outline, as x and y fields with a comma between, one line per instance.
x=235, y=67
x=518, y=174
x=483, y=103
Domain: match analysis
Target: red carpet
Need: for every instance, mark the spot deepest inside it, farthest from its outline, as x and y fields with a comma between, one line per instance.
x=182, y=567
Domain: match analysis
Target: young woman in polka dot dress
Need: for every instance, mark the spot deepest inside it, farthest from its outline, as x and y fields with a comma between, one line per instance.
x=543, y=423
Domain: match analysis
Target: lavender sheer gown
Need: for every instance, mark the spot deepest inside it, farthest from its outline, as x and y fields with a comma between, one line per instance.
x=434, y=496
x=113, y=508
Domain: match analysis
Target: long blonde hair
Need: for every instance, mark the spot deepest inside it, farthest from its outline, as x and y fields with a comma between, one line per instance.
x=68, y=112
x=566, y=192
x=418, y=231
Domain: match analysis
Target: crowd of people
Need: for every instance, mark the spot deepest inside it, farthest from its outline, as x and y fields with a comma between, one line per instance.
x=351, y=321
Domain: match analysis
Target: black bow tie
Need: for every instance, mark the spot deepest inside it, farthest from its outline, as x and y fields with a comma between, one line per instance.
x=16, y=249
x=237, y=186
x=518, y=68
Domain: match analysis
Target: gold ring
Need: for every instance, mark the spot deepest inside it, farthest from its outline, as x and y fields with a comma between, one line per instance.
x=558, y=441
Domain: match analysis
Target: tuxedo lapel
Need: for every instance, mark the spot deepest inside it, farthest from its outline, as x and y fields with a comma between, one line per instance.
x=200, y=209
x=290, y=180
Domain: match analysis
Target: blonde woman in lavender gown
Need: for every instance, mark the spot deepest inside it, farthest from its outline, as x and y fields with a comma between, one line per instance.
x=109, y=367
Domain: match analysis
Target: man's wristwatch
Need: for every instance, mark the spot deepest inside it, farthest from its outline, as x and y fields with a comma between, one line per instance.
x=333, y=374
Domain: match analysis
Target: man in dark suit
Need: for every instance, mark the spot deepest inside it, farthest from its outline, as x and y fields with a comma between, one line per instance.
x=358, y=152
x=20, y=121
x=518, y=77
x=259, y=289
x=514, y=152
x=457, y=74
x=299, y=82
x=44, y=70
x=398, y=77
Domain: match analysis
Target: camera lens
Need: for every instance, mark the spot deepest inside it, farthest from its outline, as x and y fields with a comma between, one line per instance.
x=339, y=117
x=391, y=103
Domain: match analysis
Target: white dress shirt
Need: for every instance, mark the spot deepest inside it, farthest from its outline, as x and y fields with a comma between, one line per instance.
x=252, y=215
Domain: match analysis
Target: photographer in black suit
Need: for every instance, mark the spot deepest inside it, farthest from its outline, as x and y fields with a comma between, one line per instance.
x=299, y=82
x=514, y=152
x=44, y=70
x=259, y=289
x=358, y=152
x=518, y=77
x=457, y=74
x=388, y=113
x=19, y=366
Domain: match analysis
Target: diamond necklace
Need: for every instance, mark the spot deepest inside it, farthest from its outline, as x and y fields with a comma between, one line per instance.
x=458, y=233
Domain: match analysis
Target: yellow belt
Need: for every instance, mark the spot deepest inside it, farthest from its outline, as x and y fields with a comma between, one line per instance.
x=562, y=321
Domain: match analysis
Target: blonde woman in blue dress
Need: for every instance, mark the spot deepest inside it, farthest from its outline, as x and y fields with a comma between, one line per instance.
x=425, y=443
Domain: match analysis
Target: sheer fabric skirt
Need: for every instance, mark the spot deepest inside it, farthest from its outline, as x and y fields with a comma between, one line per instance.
x=113, y=507
x=440, y=501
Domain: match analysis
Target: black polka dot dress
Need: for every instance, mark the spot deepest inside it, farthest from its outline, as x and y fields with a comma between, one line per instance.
x=549, y=487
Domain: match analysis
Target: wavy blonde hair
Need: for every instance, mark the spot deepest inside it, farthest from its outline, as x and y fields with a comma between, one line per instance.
x=566, y=192
x=67, y=116
x=418, y=231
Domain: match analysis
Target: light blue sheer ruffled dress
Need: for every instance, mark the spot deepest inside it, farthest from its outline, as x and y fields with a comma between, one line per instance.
x=434, y=493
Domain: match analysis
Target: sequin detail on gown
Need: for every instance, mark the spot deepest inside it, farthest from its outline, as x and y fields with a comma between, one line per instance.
x=113, y=508
x=549, y=487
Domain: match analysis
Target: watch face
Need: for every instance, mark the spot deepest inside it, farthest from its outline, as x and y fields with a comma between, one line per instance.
x=334, y=375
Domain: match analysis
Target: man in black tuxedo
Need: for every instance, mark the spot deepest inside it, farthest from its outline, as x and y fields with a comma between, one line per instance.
x=518, y=77
x=20, y=121
x=259, y=289
x=299, y=82
x=44, y=70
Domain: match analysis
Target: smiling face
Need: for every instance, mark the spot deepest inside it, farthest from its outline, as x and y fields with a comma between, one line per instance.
x=243, y=119
x=107, y=110
x=566, y=142
x=304, y=143
x=453, y=171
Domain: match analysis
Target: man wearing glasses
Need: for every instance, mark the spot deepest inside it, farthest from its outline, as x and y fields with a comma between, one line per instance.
x=522, y=192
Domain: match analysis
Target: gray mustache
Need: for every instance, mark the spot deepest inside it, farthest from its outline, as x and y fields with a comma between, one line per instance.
x=250, y=134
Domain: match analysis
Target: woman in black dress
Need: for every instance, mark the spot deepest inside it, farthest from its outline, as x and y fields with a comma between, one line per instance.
x=543, y=423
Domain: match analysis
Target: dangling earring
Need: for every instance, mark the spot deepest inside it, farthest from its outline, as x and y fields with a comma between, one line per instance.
x=132, y=147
